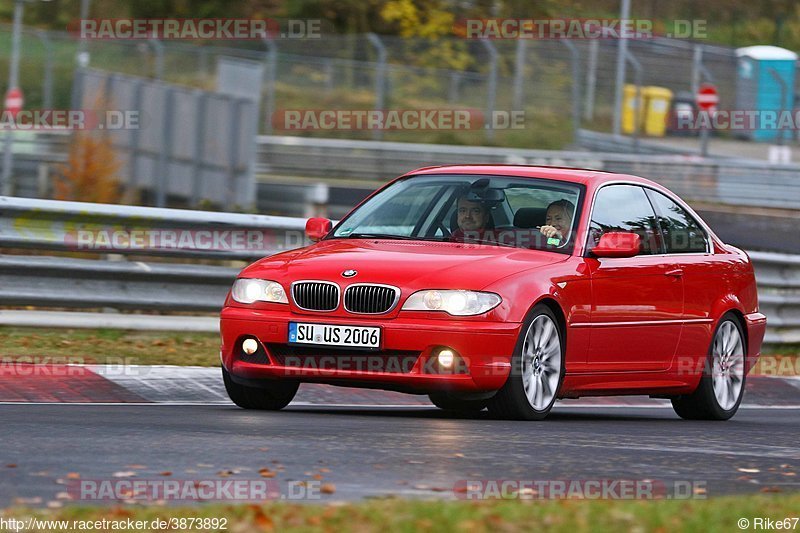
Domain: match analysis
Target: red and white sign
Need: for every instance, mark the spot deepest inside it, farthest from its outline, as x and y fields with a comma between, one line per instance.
x=14, y=101
x=707, y=97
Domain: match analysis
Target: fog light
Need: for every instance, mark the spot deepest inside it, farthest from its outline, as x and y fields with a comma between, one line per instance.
x=446, y=358
x=249, y=346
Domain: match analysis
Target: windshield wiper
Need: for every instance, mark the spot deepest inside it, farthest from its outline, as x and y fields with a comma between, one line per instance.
x=389, y=236
x=487, y=241
x=379, y=236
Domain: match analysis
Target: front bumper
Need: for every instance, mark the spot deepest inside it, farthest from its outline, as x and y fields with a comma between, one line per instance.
x=485, y=347
x=756, y=324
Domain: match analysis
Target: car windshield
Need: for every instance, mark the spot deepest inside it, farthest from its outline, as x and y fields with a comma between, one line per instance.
x=518, y=212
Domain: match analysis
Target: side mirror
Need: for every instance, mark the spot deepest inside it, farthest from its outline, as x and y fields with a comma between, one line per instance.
x=618, y=244
x=317, y=228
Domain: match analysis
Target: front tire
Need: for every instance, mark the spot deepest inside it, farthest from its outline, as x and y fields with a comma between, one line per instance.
x=721, y=387
x=272, y=398
x=537, y=370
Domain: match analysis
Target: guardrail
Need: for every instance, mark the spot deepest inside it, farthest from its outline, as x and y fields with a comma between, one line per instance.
x=286, y=162
x=134, y=245
x=778, y=277
x=120, y=279
x=744, y=182
x=83, y=227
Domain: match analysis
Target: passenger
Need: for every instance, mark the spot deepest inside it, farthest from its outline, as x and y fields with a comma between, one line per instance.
x=558, y=220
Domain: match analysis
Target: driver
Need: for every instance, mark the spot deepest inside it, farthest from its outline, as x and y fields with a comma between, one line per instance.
x=473, y=218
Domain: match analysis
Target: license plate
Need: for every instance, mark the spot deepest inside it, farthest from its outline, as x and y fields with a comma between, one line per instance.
x=334, y=335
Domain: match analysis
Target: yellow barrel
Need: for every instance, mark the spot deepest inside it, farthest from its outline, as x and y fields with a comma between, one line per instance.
x=629, y=106
x=656, y=108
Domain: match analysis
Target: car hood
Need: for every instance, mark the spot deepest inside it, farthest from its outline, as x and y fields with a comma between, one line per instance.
x=407, y=264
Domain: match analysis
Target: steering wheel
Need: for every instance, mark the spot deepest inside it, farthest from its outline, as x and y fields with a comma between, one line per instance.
x=445, y=231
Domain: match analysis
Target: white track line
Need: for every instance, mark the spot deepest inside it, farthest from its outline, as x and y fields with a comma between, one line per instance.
x=373, y=406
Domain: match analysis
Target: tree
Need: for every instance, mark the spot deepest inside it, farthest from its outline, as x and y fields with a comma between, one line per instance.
x=427, y=23
x=90, y=172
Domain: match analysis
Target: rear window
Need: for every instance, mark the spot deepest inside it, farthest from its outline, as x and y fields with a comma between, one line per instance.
x=682, y=233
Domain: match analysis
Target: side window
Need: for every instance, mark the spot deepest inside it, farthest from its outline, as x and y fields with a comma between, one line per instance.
x=682, y=233
x=624, y=208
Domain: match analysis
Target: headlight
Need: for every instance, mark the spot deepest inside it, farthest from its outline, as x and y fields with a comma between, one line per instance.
x=247, y=291
x=458, y=303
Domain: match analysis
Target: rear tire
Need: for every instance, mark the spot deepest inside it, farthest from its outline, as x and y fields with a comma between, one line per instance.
x=721, y=387
x=272, y=398
x=537, y=370
x=443, y=401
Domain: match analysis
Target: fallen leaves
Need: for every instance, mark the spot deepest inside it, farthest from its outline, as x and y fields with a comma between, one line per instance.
x=28, y=501
x=263, y=521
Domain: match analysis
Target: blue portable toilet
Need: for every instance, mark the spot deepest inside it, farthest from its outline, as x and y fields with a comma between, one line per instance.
x=761, y=69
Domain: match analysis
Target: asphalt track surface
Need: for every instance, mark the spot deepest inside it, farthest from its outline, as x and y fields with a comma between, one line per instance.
x=412, y=451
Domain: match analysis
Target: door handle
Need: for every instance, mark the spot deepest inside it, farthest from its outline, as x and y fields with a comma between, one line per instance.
x=676, y=273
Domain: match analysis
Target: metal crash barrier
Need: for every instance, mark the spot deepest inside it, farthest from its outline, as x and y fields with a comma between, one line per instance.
x=71, y=255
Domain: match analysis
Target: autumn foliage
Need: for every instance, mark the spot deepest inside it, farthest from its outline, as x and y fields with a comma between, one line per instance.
x=89, y=174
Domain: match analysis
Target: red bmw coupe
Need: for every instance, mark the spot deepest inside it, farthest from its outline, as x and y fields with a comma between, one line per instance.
x=502, y=287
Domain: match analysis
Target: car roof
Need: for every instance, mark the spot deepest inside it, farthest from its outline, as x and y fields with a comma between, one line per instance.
x=584, y=176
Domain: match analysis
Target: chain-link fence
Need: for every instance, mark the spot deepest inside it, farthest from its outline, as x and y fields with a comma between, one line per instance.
x=670, y=63
x=549, y=80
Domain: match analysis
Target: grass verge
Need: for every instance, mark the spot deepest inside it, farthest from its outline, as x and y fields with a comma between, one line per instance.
x=108, y=346
x=569, y=516
x=200, y=349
